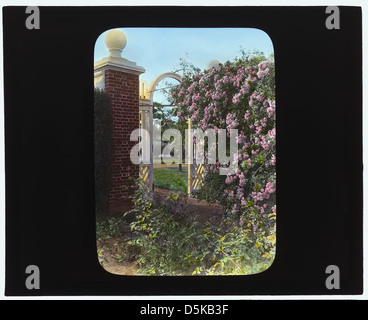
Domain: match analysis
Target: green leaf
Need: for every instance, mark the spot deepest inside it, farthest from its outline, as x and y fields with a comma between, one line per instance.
x=175, y=196
x=258, y=244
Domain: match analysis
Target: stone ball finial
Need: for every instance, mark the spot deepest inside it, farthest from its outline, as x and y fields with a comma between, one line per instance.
x=115, y=41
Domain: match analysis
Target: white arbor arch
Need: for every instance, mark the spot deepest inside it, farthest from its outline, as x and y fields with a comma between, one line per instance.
x=146, y=93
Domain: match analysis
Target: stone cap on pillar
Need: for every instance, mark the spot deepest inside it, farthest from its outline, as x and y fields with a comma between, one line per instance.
x=116, y=41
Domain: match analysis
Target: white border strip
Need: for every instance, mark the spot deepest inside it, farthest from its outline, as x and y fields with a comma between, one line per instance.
x=185, y=3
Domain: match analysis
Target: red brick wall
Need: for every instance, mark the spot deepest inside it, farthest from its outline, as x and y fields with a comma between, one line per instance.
x=123, y=90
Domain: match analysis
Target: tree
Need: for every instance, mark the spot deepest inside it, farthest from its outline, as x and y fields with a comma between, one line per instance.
x=164, y=115
x=169, y=120
x=103, y=148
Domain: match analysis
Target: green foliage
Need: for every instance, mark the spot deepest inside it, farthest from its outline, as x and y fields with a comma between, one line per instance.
x=238, y=250
x=162, y=240
x=114, y=227
x=169, y=120
x=212, y=189
x=164, y=114
x=103, y=147
x=161, y=237
x=178, y=244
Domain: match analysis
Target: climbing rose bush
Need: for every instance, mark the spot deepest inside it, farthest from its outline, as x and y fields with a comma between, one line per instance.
x=239, y=95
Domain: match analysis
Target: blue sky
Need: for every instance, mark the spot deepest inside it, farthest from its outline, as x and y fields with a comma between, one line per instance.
x=159, y=50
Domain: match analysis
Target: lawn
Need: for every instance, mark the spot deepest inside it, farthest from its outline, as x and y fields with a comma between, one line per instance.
x=171, y=178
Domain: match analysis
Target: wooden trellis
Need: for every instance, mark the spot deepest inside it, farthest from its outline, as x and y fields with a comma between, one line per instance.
x=196, y=171
x=145, y=122
x=198, y=176
x=144, y=174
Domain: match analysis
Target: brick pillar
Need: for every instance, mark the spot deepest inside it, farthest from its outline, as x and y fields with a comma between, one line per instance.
x=123, y=90
x=120, y=78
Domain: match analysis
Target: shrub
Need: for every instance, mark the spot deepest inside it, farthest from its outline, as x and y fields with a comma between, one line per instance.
x=239, y=94
x=108, y=228
x=213, y=189
x=102, y=146
x=178, y=244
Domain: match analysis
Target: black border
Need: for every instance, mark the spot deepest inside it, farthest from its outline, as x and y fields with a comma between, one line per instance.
x=48, y=92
